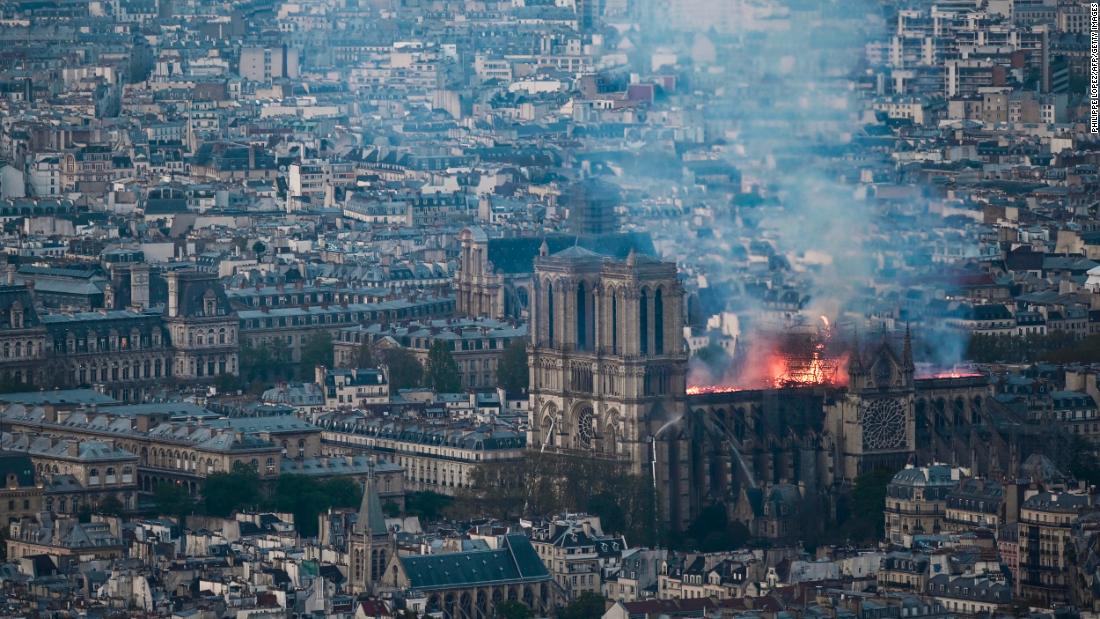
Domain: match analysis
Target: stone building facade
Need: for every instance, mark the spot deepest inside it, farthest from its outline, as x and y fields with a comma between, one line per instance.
x=202, y=326
x=126, y=349
x=608, y=366
x=916, y=501
x=168, y=452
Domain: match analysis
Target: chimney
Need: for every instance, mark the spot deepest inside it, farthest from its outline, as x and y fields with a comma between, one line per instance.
x=173, y=294
x=49, y=414
x=9, y=274
x=139, y=286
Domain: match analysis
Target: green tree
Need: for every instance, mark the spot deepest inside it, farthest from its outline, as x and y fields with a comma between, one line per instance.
x=513, y=609
x=391, y=509
x=712, y=531
x=172, y=500
x=1086, y=350
x=225, y=493
x=512, y=373
x=861, y=519
x=227, y=383
x=10, y=385
x=427, y=505
x=442, y=372
x=551, y=483
x=404, y=370
x=259, y=248
x=110, y=506
x=1083, y=463
x=588, y=605
x=260, y=365
x=365, y=357
x=307, y=498
x=317, y=350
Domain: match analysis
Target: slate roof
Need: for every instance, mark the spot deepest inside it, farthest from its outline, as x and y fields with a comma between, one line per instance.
x=517, y=255
x=56, y=397
x=515, y=562
x=370, y=518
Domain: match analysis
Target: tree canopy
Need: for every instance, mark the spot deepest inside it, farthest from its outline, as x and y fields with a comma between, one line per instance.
x=551, y=483
x=317, y=350
x=307, y=498
x=172, y=500
x=241, y=489
x=513, y=609
x=586, y=606
x=405, y=371
x=442, y=372
x=512, y=373
x=225, y=493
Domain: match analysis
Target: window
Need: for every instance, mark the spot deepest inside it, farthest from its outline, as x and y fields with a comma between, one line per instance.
x=658, y=323
x=549, y=314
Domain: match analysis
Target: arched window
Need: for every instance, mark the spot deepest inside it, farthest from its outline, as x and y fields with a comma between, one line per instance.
x=658, y=323
x=643, y=321
x=614, y=323
x=581, y=322
x=549, y=313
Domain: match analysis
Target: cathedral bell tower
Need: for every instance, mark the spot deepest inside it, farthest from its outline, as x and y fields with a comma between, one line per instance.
x=370, y=544
x=608, y=366
x=873, y=424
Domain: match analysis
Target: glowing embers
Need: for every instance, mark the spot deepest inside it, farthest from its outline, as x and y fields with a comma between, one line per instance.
x=702, y=389
x=805, y=357
x=930, y=372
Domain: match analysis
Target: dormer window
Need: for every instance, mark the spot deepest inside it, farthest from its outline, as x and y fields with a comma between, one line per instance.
x=17, y=315
x=209, y=304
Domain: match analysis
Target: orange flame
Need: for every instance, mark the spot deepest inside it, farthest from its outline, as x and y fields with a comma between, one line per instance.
x=768, y=368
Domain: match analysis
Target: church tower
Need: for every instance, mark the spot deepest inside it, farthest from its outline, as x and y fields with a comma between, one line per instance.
x=370, y=545
x=608, y=366
x=874, y=424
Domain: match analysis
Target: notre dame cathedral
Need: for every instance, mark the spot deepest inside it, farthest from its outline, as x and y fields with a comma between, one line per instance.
x=608, y=365
x=608, y=373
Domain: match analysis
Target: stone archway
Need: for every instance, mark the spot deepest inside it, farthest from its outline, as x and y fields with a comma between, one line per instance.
x=550, y=426
x=607, y=442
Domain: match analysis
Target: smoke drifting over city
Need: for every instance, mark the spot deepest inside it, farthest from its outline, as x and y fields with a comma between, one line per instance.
x=781, y=106
x=554, y=309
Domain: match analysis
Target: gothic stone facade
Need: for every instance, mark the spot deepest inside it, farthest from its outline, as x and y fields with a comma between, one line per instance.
x=608, y=366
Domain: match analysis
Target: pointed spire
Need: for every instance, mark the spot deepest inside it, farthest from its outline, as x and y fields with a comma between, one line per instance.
x=544, y=249
x=907, y=350
x=632, y=257
x=855, y=362
x=371, y=520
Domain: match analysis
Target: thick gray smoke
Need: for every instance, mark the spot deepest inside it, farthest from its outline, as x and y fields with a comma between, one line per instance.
x=796, y=231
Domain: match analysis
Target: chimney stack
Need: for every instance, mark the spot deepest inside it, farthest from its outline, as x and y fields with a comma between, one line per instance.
x=173, y=294
x=139, y=286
